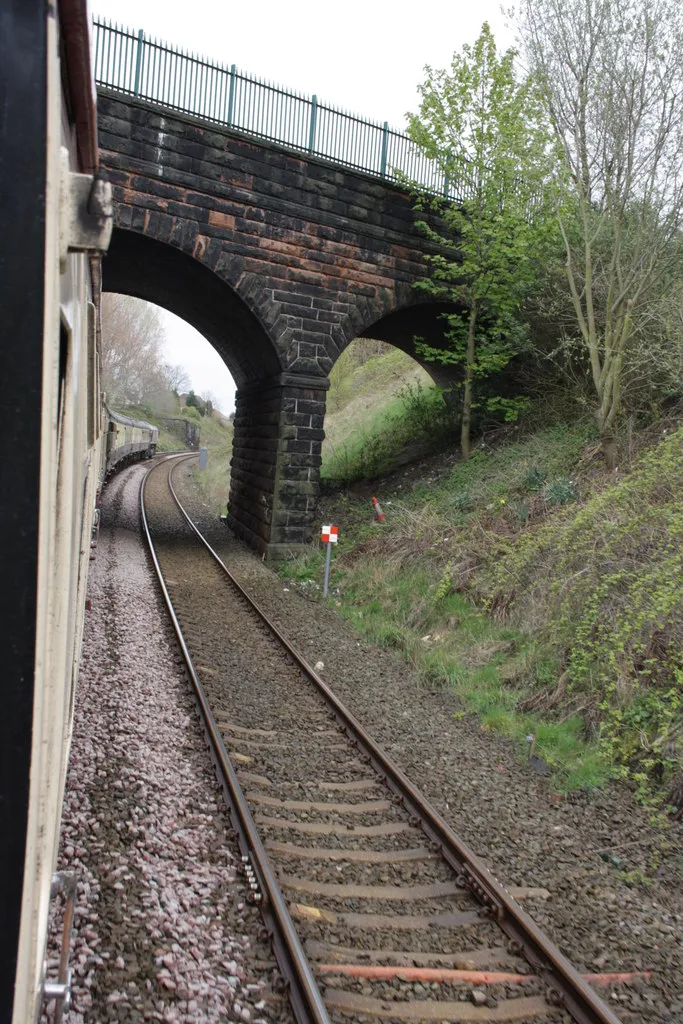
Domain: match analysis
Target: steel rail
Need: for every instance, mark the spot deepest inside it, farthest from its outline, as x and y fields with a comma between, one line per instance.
x=566, y=987
x=304, y=994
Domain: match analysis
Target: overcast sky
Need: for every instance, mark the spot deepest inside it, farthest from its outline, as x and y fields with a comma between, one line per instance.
x=366, y=56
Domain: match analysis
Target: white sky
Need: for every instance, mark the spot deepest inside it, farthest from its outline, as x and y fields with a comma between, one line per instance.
x=366, y=56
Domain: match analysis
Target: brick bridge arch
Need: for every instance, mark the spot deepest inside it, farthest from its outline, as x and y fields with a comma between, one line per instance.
x=279, y=260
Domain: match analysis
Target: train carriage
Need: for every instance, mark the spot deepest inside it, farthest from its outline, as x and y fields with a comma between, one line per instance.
x=127, y=440
x=57, y=217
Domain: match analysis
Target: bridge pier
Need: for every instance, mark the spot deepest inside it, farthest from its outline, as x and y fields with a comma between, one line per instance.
x=275, y=470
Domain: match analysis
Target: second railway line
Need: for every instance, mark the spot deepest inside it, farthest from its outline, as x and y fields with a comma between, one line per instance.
x=394, y=922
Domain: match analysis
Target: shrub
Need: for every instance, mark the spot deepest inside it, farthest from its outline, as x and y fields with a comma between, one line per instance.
x=534, y=479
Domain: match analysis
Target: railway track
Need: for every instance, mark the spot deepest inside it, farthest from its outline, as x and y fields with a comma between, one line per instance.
x=377, y=910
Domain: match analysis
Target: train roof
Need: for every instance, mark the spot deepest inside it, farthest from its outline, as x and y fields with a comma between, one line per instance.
x=127, y=421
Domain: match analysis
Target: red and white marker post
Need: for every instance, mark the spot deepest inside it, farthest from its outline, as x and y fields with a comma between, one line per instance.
x=329, y=536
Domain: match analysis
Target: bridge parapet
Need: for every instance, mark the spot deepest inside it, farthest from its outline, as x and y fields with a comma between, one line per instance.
x=134, y=64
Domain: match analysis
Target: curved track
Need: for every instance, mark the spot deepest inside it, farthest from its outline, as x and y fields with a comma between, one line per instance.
x=376, y=908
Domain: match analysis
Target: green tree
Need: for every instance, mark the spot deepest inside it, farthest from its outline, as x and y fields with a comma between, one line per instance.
x=195, y=402
x=485, y=131
x=611, y=78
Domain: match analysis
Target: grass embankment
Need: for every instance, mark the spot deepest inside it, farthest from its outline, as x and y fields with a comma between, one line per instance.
x=214, y=481
x=381, y=410
x=545, y=591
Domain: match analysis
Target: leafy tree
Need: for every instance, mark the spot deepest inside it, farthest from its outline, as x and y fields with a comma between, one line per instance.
x=132, y=336
x=194, y=402
x=486, y=132
x=611, y=79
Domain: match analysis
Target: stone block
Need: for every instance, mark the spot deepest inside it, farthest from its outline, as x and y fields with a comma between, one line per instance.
x=310, y=406
x=288, y=472
x=297, y=447
x=310, y=434
x=306, y=459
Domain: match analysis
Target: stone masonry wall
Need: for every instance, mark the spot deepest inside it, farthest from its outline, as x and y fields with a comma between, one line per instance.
x=278, y=434
x=316, y=253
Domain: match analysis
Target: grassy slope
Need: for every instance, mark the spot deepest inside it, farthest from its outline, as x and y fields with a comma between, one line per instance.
x=545, y=591
x=364, y=410
x=216, y=435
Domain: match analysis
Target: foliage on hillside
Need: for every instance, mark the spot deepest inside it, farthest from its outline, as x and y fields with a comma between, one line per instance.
x=133, y=370
x=545, y=590
x=214, y=481
x=602, y=586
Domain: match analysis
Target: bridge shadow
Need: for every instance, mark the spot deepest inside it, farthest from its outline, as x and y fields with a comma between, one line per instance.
x=423, y=321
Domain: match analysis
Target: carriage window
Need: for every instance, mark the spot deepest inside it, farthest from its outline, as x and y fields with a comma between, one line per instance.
x=64, y=335
x=91, y=386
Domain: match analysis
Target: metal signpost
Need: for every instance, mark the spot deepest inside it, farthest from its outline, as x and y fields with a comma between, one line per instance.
x=329, y=536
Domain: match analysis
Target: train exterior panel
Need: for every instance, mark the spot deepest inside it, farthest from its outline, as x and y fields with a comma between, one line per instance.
x=56, y=221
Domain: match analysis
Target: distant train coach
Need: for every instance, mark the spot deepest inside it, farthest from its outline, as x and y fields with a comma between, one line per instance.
x=128, y=441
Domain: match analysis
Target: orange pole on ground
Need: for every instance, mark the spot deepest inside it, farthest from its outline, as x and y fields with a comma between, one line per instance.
x=423, y=974
x=378, y=511
x=446, y=974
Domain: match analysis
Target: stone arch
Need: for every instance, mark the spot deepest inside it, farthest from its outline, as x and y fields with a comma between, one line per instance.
x=164, y=274
x=291, y=257
x=399, y=323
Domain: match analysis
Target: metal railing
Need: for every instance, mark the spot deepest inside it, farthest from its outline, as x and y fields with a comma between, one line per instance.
x=133, y=63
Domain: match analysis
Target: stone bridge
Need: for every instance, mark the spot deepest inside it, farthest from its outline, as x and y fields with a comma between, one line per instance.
x=280, y=260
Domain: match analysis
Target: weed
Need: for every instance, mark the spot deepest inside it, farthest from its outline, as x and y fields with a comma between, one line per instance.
x=520, y=510
x=559, y=492
x=304, y=567
x=534, y=479
x=635, y=878
x=445, y=584
x=462, y=501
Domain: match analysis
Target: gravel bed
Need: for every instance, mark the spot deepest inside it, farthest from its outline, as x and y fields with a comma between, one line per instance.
x=162, y=927
x=526, y=833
